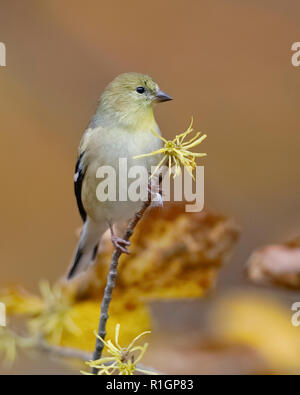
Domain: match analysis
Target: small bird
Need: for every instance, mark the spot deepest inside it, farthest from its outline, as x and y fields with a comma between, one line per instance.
x=121, y=128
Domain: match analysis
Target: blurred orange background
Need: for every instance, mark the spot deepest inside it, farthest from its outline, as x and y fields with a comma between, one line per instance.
x=226, y=62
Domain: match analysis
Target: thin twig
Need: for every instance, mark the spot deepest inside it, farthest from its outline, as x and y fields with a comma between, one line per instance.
x=64, y=352
x=68, y=352
x=111, y=281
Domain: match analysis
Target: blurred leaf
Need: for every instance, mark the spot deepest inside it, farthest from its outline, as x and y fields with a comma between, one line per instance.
x=133, y=316
x=262, y=323
x=173, y=255
x=276, y=264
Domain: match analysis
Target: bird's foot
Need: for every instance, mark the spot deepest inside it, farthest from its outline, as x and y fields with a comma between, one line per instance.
x=120, y=244
x=156, y=200
x=156, y=197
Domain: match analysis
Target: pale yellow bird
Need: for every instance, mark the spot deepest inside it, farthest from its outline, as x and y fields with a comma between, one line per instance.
x=121, y=128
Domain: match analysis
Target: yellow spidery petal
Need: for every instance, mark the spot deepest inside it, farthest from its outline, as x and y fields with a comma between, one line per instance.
x=178, y=152
x=124, y=359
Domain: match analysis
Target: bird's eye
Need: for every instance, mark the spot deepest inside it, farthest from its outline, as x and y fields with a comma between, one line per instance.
x=140, y=89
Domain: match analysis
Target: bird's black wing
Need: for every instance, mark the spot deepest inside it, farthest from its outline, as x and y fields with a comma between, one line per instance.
x=78, y=180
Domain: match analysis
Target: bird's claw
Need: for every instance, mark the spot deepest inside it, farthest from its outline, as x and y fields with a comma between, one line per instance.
x=156, y=198
x=120, y=244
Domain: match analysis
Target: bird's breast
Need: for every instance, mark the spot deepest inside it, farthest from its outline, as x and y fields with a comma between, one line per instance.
x=109, y=146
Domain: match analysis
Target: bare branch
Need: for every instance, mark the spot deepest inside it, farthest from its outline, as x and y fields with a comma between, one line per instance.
x=111, y=280
x=64, y=352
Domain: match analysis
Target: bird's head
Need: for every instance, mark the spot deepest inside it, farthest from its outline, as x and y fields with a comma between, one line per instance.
x=131, y=95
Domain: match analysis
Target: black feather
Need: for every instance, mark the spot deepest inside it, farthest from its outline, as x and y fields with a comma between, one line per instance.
x=95, y=250
x=79, y=172
x=76, y=261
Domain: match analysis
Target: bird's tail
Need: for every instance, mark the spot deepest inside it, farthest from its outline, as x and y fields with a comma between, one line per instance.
x=87, y=247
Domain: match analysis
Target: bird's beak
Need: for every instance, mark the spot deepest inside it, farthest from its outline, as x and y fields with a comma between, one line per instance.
x=162, y=96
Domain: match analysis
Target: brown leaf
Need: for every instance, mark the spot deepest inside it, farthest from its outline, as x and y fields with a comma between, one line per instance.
x=276, y=264
x=174, y=254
